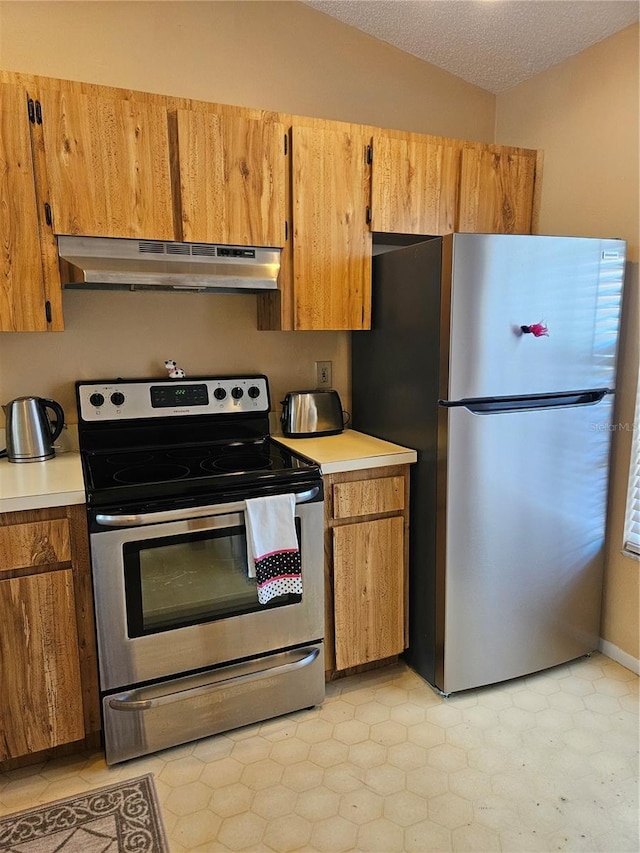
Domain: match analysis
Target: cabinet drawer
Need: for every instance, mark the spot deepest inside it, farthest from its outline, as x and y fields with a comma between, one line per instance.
x=36, y=543
x=368, y=497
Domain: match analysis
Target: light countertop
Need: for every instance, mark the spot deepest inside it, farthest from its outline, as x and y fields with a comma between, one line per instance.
x=349, y=451
x=59, y=482
x=36, y=485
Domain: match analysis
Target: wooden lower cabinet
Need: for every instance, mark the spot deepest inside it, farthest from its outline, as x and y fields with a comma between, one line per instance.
x=368, y=581
x=41, y=670
x=366, y=566
x=49, y=696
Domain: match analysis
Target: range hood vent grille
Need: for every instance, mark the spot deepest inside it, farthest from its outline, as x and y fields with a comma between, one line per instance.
x=109, y=263
x=203, y=249
x=151, y=247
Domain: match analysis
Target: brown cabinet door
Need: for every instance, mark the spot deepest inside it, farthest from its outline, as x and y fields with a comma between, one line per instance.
x=368, y=577
x=496, y=191
x=414, y=184
x=22, y=288
x=331, y=236
x=35, y=543
x=108, y=166
x=41, y=698
x=232, y=179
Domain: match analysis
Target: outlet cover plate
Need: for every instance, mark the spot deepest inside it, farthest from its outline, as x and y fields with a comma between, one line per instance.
x=323, y=374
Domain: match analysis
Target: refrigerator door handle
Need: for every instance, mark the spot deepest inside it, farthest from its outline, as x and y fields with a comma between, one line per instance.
x=496, y=405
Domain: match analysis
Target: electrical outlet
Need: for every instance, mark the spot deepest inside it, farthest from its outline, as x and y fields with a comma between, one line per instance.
x=323, y=374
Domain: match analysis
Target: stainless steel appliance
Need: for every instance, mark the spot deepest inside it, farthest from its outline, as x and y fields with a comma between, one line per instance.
x=30, y=431
x=311, y=413
x=185, y=649
x=110, y=263
x=495, y=356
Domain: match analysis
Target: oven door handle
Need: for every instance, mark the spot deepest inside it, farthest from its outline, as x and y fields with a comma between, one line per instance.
x=134, y=700
x=187, y=512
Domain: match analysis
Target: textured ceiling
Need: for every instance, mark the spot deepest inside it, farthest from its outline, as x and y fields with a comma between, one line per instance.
x=494, y=44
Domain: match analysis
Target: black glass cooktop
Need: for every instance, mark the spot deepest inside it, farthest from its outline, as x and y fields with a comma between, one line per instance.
x=117, y=475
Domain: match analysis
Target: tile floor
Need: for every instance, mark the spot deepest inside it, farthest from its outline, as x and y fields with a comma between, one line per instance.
x=543, y=763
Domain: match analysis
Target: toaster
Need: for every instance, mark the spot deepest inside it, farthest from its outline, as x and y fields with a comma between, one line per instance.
x=311, y=413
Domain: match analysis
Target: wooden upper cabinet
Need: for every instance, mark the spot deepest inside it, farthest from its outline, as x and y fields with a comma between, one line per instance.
x=496, y=190
x=331, y=237
x=22, y=286
x=107, y=162
x=231, y=173
x=415, y=182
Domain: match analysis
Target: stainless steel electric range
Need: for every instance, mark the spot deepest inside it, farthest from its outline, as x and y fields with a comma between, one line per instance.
x=185, y=648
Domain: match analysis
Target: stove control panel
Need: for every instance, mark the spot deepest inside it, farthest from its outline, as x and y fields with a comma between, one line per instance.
x=133, y=399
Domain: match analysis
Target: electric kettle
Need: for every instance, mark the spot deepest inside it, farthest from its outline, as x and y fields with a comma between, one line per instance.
x=30, y=431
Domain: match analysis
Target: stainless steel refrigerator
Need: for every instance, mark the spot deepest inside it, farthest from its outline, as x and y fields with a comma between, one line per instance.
x=494, y=356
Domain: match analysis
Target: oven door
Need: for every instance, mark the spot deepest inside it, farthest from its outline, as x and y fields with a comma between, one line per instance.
x=173, y=595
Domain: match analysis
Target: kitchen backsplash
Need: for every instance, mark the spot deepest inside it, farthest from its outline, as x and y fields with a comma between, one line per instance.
x=111, y=335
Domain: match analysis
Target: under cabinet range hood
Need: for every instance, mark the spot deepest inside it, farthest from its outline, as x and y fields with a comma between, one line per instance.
x=109, y=263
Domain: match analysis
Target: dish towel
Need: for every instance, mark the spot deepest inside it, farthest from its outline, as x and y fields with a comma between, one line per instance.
x=272, y=546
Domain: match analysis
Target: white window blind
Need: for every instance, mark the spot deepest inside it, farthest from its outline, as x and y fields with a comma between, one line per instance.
x=632, y=520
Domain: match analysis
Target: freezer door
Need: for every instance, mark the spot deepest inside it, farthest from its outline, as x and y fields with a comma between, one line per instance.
x=525, y=515
x=572, y=285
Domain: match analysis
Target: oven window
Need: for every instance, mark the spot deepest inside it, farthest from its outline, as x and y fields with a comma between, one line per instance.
x=185, y=580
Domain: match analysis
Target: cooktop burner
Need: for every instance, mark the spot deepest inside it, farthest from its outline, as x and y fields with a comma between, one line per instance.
x=121, y=477
x=190, y=440
x=235, y=462
x=188, y=463
x=150, y=473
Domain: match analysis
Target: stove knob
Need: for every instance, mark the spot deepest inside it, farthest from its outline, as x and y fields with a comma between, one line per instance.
x=219, y=393
x=254, y=392
x=117, y=398
x=237, y=393
x=96, y=400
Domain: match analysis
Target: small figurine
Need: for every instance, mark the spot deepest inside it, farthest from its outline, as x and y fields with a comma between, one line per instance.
x=175, y=372
x=538, y=330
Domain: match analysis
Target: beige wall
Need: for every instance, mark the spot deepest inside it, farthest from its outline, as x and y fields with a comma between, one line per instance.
x=273, y=55
x=584, y=115
x=281, y=56
x=111, y=334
